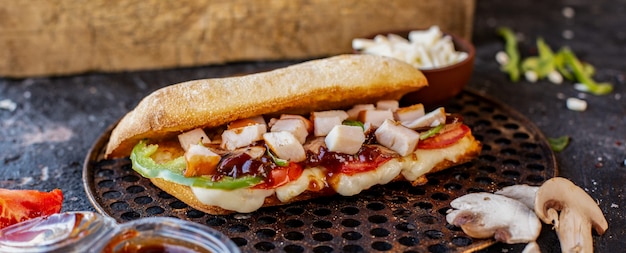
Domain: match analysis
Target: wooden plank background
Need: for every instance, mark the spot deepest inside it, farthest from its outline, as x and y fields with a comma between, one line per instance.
x=61, y=37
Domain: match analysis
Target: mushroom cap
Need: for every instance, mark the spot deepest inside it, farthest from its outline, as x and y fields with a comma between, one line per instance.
x=558, y=194
x=484, y=215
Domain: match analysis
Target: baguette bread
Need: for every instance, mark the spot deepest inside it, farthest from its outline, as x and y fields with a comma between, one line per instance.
x=334, y=83
x=330, y=83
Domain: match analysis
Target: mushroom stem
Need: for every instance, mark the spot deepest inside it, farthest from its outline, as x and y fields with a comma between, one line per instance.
x=572, y=212
x=574, y=232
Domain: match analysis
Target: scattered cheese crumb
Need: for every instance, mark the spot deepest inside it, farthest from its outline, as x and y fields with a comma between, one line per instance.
x=502, y=58
x=7, y=104
x=613, y=205
x=568, y=12
x=531, y=76
x=581, y=87
x=576, y=104
x=555, y=77
x=568, y=34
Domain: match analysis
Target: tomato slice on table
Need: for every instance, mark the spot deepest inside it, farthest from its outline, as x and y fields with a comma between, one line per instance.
x=281, y=175
x=446, y=137
x=20, y=205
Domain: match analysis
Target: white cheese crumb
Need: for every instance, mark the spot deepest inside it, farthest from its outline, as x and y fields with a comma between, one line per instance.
x=568, y=12
x=7, y=104
x=531, y=76
x=581, y=87
x=502, y=58
x=613, y=205
x=568, y=34
x=576, y=104
x=555, y=77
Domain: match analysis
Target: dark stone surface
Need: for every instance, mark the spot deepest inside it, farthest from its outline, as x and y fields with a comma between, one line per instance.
x=44, y=141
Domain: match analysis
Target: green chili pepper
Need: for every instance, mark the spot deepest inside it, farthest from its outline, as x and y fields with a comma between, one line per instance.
x=512, y=67
x=562, y=67
x=173, y=171
x=543, y=64
x=431, y=132
x=578, y=71
x=559, y=143
x=546, y=59
x=277, y=161
x=353, y=123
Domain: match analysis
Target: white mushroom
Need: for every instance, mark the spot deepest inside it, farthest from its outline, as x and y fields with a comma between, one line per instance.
x=572, y=212
x=486, y=215
x=522, y=193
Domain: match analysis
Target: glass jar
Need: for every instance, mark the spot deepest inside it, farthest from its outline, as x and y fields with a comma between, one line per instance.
x=93, y=233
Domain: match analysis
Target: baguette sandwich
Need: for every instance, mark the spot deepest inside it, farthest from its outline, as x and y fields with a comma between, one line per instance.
x=322, y=127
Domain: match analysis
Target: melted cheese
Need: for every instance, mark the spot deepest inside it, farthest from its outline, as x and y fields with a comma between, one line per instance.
x=423, y=160
x=311, y=177
x=243, y=200
x=348, y=185
x=411, y=167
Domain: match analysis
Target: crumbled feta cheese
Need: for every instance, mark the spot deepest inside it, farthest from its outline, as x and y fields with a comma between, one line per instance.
x=7, y=104
x=424, y=49
x=576, y=104
x=555, y=77
x=568, y=12
x=531, y=76
x=581, y=87
x=502, y=58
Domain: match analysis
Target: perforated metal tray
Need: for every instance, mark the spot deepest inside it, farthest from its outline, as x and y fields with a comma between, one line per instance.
x=396, y=217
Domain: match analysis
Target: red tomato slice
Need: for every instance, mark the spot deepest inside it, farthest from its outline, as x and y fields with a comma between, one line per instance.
x=444, y=138
x=282, y=175
x=20, y=205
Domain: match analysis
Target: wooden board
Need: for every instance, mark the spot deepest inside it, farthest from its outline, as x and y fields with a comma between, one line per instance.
x=59, y=37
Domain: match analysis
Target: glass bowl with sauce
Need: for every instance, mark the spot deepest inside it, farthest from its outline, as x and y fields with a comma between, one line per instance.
x=91, y=232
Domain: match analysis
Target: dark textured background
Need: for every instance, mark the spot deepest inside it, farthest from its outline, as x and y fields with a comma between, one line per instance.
x=44, y=141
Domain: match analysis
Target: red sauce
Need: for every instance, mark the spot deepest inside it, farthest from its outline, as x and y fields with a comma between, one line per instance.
x=240, y=165
x=368, y=158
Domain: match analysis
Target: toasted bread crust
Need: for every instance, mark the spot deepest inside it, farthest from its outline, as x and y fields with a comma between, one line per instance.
x=185, y=194
x=330, y=83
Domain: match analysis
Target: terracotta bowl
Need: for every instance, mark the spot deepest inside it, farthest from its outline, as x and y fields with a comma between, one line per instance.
x=443, y=83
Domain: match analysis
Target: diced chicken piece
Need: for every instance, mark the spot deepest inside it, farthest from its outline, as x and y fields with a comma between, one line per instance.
x=314, y=145
x=324, y=121
x=391, y=105
x=307, y=122
x=193, y=137
x=242, y=136
x=375, y=117
x=294, y=126
x=345, y=139
x=410, y=113
x=285, y=146
x=246, y=122
x=431, y=119
x=356, y=109
x=397, y=137
x=253, y=151
x=200, y=161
